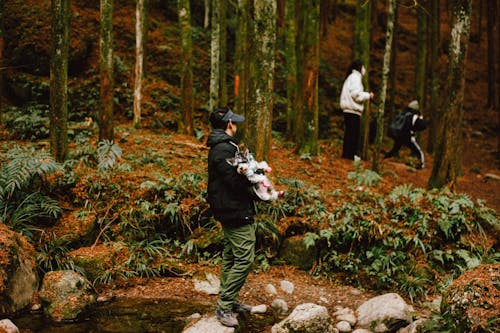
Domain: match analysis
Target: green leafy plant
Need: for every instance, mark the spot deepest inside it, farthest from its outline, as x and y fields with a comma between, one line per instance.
x=28, y=122
x=53, y=254
x=22, y=181
x=108, y=153
x=363, y=176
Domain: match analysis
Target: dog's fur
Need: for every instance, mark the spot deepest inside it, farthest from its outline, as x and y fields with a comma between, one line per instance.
x=255, y=172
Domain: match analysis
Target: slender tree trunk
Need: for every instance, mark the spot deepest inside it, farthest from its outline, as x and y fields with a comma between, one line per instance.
x=223, y=50
x=2, y=43
x=215, y=57
x=291, y=68
x=385, y=76
x=498, y=79
x=241, y=58
x=259, y=124
x=206, y=19
x=447, y=159
x=60, y=11
x=421, y=57
x=434, y=106
x=362, y=52
x=479, y=22
x=186, y=123
x=308, y=114
x=391, y=107
x=492, y=26
x=106, y=129
x=140, y=31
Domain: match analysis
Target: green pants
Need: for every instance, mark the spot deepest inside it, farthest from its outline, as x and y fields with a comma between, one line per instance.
x=237, y=258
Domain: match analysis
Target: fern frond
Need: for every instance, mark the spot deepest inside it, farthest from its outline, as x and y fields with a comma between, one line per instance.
x=108, y=153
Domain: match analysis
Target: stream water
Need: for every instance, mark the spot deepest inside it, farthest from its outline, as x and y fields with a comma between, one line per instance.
x=132, y=315
x=120, y=316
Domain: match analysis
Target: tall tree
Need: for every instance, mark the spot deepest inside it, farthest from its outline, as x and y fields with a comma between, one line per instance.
x=206, y=18
x=498, y=79
x=434, y=75
x=362, y=51
x=262, y=64
x=383, y=89
x=492, y=26
x=106, y=128
x=241, y=57
x=223, y=51
x=392, y=85
x=140, y=32
x=215, y=59
x=291, y=67
x=421, y=56
x=447, y=159
x=60, y=11
x=186, y=123
x=308, y=68
x=2, y=43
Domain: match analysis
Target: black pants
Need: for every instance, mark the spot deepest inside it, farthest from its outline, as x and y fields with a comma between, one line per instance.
x=412, y=144
x=352, y=124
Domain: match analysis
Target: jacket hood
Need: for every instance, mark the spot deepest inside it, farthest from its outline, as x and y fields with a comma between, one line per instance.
x=218, y=136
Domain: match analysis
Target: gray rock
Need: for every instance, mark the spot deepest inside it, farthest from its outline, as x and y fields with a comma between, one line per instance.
x=346, y=314
x=18, y=276
x=211, y=285
x=207, y=324
x=343, y=326
x=271, y=290
x=280, y=306
x=306, y=318
x=384, y=313
x=259, y=309
x=361, y=330
x=287, y=286
x=65, y=295
x=8, y=326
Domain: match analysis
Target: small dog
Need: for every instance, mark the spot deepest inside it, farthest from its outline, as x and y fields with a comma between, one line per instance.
x=255, y=172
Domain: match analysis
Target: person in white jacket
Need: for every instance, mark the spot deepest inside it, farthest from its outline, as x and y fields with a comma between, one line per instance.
x=352, y=101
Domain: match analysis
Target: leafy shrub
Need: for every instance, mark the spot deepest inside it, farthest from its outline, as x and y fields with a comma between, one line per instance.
x=29, y=122
x=22, y=182
x=53, y=255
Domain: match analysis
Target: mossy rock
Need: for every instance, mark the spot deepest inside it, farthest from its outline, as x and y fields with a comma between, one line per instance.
x=294, y=252
x=95, y=260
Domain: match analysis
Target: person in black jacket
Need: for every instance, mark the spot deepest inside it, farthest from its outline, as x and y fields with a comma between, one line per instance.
x=231, y=203
x=414, y=122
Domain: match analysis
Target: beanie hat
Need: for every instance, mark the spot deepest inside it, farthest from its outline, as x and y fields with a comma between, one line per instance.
x=413, y=105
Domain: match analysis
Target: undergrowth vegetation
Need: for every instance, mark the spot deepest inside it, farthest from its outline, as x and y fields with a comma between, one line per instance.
x=409, y=240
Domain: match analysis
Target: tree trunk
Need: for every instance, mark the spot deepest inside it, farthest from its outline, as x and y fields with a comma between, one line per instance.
x=308, y=113
x=241, y=58
x=186, y=123
x=362, y=52
x=60, y=11
x=215, y=57
x=383, y=89
x=434, y=106
x=140, y=32
x=447, y=159
x=492, y=9
x=106, y=128
x=421, y=57
x=291, y=68
x=223, y=50
x=206, y=18
x=391, y=104
x=259, y=124
x=498, y=79
x=2, y=43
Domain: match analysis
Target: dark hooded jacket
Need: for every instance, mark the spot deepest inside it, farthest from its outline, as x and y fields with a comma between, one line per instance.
x=228, y=192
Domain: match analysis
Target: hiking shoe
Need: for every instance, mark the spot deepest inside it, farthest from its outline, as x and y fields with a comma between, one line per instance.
x=241, y=308
x=226, y=318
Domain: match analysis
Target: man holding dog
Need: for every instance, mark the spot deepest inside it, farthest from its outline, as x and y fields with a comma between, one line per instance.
x=231, y=203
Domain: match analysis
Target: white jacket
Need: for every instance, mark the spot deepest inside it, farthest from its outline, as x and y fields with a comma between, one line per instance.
x=353, y=96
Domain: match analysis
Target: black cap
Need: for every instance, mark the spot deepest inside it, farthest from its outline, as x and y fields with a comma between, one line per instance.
x=233, y=117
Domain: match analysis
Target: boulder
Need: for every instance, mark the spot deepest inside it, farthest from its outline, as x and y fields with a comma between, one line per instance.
x=384, y=313
x=207, y=324
x=65, y=295
x=306, y=318
x=18, y=276
x=210, y=286
x=8, y=326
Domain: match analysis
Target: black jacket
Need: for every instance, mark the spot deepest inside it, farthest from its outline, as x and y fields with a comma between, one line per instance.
x=409, y=128
x=228, y=192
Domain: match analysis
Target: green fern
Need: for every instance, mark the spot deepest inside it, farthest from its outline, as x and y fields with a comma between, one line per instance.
x=108, y=153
